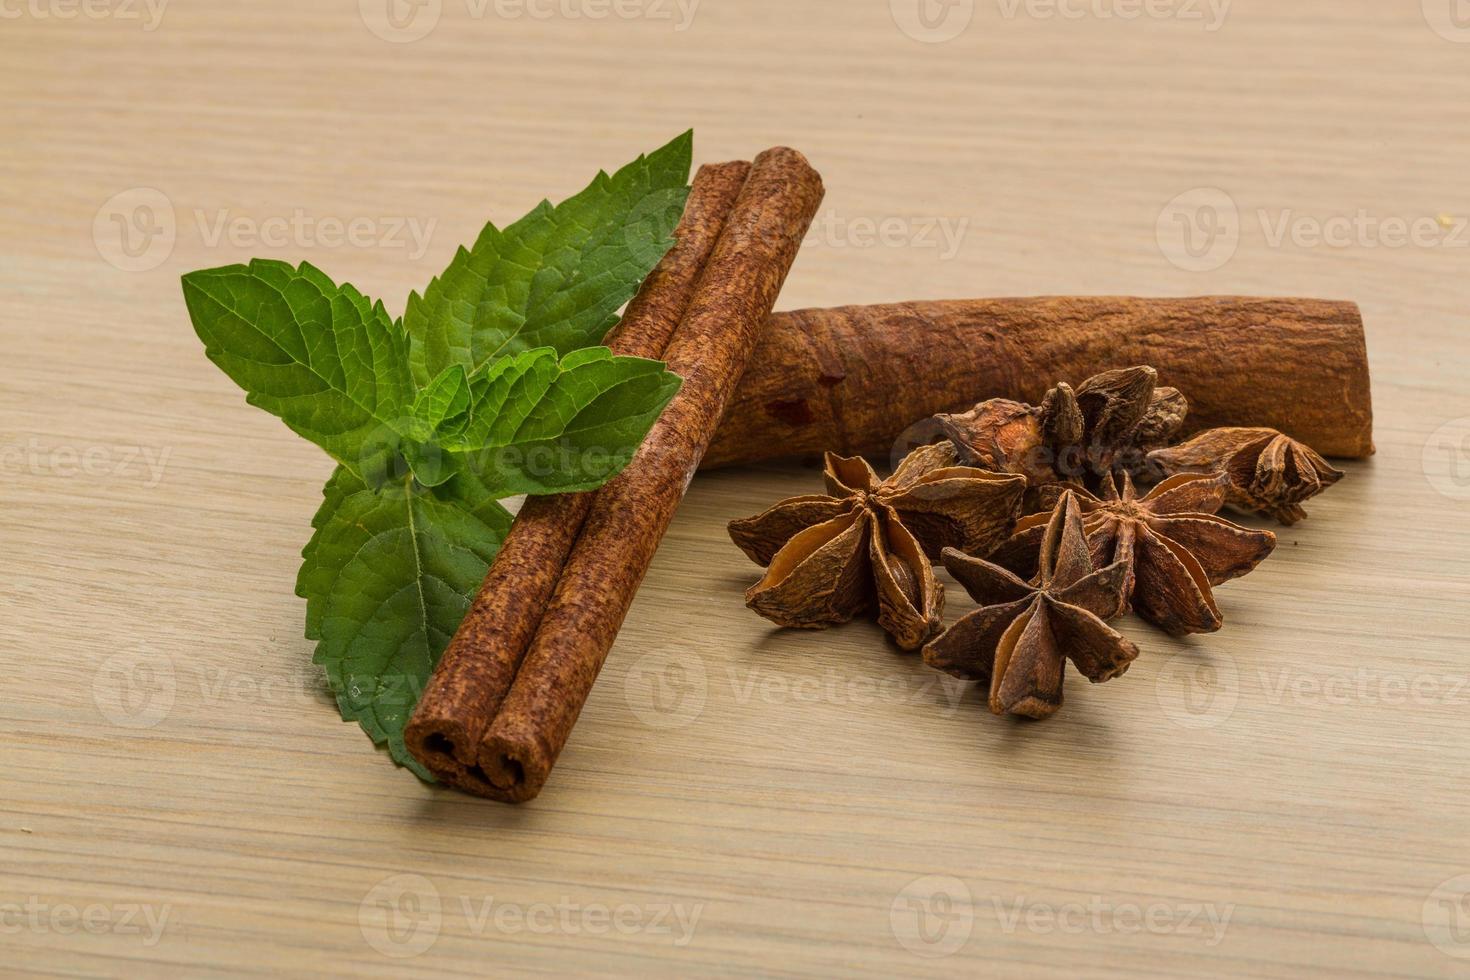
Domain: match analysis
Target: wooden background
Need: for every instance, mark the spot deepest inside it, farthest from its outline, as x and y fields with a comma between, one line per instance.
x=177, y=796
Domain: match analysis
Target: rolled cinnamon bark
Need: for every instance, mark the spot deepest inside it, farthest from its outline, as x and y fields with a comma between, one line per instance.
x=476, y=670
x=630, y=514
x=854, y=378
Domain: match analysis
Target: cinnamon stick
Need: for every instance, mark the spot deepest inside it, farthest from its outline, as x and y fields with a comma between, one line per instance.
x=630, y=514
x=853, y=379
x=476, y=670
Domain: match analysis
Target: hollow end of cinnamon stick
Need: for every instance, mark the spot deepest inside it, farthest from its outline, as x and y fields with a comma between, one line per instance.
x=447, y=748
x=514, y=772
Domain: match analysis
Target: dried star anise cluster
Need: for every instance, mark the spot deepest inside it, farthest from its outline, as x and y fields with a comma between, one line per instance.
x=1170, y=540
x=1023, y=634
x=1035, y=511
x=1263, y=471
x=867, y=544
x=1109, y=424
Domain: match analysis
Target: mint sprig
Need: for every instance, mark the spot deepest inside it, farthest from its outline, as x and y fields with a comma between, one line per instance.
x=387, y=577
x=488, y=387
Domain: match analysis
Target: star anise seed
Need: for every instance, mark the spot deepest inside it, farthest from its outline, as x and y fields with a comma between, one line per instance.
x=942, y=504
x=1109, y=424
x=860, y=561
x=868, y=544
x=1021, y=637
x=1171, y=539
x=1265, y=472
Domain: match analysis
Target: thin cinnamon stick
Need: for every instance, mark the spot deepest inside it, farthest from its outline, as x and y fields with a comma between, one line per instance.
x=630, y=514
x=853, y=379
x=477, y=667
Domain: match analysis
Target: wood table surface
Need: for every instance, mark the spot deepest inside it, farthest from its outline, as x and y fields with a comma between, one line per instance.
x=177, y=794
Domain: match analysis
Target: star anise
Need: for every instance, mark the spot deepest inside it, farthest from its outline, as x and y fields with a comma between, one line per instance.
x=1108, y=424
x=1021, y=637
x=867, y=544
x=1265, y=472
x=1171, y=539
x=942, y=504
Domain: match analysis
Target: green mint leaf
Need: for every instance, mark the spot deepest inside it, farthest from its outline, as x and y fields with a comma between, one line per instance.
x=438, y=414
x=387, y=577
x=330, y=364
x=557, y=277
x=538, y=426
x=443, y=404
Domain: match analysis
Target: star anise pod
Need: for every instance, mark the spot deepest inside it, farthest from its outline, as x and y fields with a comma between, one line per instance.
x=1171, y=539
x=1265, y=472
x=942, y=504
x=1021, y=637
x=867, y=544
x=1109, y=423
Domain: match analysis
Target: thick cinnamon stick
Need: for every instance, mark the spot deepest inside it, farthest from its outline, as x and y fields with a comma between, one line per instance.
x=476, y=670
x=853, y=379
x=630, y=514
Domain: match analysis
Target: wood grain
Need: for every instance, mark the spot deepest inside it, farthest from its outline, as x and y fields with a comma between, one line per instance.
x=168, y=747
